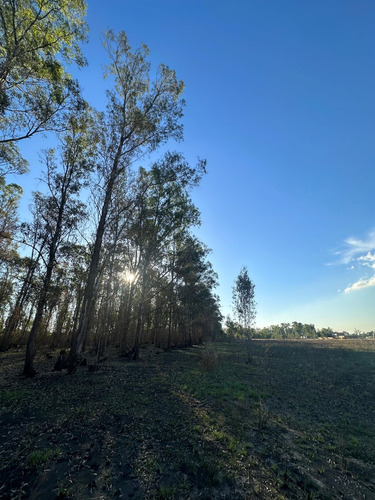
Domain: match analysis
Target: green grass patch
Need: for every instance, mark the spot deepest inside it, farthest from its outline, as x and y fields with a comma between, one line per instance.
x=9, y=396
x=38, y=458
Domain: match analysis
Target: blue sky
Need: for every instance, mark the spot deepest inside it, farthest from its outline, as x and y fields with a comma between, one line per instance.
x=280, y=101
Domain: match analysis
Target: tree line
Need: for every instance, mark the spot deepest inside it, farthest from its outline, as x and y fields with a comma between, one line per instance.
x=107, y=256
x=295, y=330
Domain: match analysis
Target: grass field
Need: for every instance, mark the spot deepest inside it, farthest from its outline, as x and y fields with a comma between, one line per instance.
x=296, y=422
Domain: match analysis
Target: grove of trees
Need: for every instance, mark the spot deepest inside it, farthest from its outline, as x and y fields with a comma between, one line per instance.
x=107, y=256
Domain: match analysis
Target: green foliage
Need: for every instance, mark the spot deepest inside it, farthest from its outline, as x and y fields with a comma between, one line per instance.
x=234, y=330
x=141, y=114
x=296, y=330
x=36, y=39
x=243, y=300
x=164, y=207
x=10, y=195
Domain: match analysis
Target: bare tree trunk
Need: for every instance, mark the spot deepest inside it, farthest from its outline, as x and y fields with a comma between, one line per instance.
x=190, y=330
x=106, y=323
x=63, y=315
x=90, y=289
x=138, y=333
x=27, y=322
x=170, y=310
x=29, y=370
x=79, y=295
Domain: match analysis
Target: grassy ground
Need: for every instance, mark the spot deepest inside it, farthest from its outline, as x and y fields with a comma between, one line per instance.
x=296, y=422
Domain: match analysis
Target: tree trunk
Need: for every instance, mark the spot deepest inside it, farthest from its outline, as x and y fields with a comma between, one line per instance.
x=90, y=289
x=29, y=370
x=62, y=317
x=138, y=333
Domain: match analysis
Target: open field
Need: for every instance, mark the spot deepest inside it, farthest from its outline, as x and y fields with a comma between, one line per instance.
x=296, y=422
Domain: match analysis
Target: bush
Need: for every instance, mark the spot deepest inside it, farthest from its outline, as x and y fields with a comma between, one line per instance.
x=209, y=358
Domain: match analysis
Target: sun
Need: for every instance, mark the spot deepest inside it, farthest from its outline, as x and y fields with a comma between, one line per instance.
x=129, y=277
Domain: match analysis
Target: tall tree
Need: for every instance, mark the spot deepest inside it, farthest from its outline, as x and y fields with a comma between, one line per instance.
x=140, y=116
x=9, y=198
x=62, y=208
x=32, y=236
x=197, y=307
x=37, y=38
x=243, y=301
x=9, y=257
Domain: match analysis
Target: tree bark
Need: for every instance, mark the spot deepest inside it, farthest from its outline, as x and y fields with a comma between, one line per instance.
x=75, y=352
x=29, y=370
x=138, y=333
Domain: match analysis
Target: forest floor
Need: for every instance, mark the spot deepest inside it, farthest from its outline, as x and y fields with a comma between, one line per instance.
x=281, y=419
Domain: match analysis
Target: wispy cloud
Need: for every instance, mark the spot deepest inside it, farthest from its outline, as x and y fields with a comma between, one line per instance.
x=370, y=256
x=359, y=252
x=358, y=249
x=358, y=285
x=368, y=260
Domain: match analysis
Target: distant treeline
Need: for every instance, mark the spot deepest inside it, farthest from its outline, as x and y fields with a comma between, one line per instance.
x=294, y=330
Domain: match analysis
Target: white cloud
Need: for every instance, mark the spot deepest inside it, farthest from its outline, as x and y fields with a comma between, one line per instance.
x=358, y=285
x=358, y=252
x=358, y=249
x=370, y=257
x=372, y=266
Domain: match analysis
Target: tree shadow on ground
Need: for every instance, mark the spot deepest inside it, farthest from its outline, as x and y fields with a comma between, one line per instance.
x=168, y=428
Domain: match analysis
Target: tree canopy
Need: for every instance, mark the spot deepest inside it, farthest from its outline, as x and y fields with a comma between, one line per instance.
x=243, y=299
x=38, y=38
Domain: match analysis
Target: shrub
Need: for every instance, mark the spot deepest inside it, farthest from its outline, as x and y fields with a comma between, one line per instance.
x=209, y=358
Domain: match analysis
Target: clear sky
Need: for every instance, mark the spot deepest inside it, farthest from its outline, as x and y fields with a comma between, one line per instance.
x=281, y=102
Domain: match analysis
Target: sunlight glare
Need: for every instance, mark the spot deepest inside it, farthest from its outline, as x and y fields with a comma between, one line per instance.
x=129, y=277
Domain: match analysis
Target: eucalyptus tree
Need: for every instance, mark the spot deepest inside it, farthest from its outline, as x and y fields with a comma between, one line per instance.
x=62, y=207
x=140, y=116
x=32, y=236
x=163, y=212
x=115, y=282
x=23, y=279
x=76, y=257
x=60, y=304
x=9, y=257
x=243, y=299
x=196, y=281
x=8, y=277
x=10, y=195
x=244, y=302
x=38, y=38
